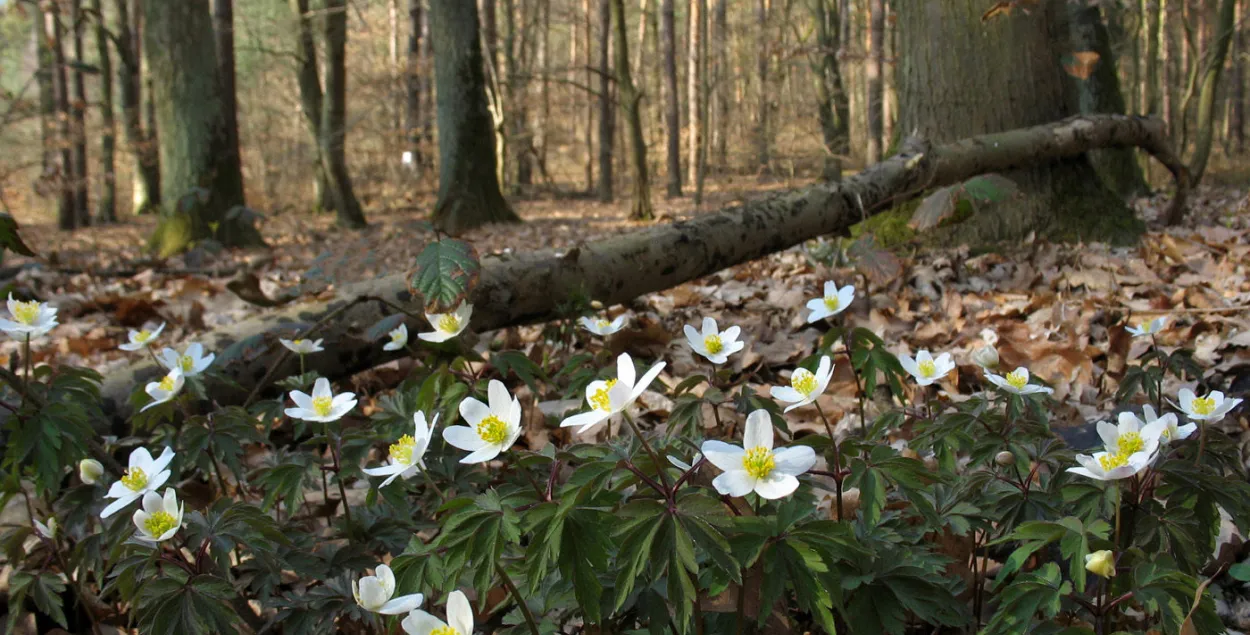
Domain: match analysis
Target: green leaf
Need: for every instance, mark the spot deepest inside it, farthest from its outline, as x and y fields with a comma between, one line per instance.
x=445, y=272
x=10, y=239
x=1240, y=571
x=1040, y=591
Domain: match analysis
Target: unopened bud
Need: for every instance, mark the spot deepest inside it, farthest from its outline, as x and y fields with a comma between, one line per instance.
x=596, y=305
x=1100, y=563
x=90, y=471
x=1005, y=459
x=986, y=357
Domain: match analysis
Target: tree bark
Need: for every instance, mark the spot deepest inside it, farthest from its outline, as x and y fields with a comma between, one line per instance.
x=874, y=73
x=106, y=205
x=78, y=109
x=696, y=96
x=1100, y=93
x=1237, y=92
x=468, y=188
x=146, y=181
x=672, y=112
x=1222, y=36
x=44, y=77
x=530, y=287
x=963, y=77
x=588, y=130
x=334, y=118
x=223, y=31
x=412, y=86
x=833, y=110
x=1150, y=25
x=719, y=93
x=631, y=105
x=607, y=114
x=308, y=80
x=763, y=45
x=66, y=212
x=202, y=182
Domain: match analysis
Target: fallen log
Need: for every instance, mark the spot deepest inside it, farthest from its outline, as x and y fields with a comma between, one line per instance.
x=527, y=288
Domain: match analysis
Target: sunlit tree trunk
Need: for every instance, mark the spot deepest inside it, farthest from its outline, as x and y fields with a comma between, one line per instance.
x=873, y=76
x=764, y=97
x=696, y=96
x=44, y=78
x=146, y=178
x=334, y=118
x=223, y=29
x=631, y=105
x=106, y=205
x=468, y=186
x=607, y=114
x=720, y=76
x=66, y=212
x=78, y=110
x=1237, y=94
x=1220, y=40
x=833, y=111
x=672, y=112
x=412, y=86
x=308, y=81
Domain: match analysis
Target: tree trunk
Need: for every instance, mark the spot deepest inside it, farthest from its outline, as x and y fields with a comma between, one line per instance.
x=308, y=79
x=412, y=86
x=202, y=182
x=963, y=76
x=1221, y=37
x=66, y=213
x=833, y=110
x=494, y=96
x=468, y=188
x=146, y=196
x=631, y=104
x=696, y=96
x=106, y=206
x=589, y=119
x=531, y=287
x=541, y=135
x=607, y=114
x=873, y=75
x=1100, y=93
x=223, y=29
x=672, y=113
x=78, y=108
x=44, y=77
x=1150, y=19
x=719, y=92
x=1237, y=94
x=334, y=118
x=763, y=135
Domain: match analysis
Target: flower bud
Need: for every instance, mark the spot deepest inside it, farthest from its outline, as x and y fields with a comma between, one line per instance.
x=49, y=530
x=1100, y=563
x=986, y=357
x=90, y=471
x=1005, y=459
x=596, y=305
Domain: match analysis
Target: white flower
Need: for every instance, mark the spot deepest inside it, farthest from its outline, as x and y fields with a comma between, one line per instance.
x=49, y=530
x=447, y=325
x=682, y=465
x=607, y=398
x=1017, y=382
x=603, y=327
x=926, y=369
x=756, y=467
x=805, y=386
x=399, y=339
x=141, y=338
x=1149, y=328
x=1107, y=466
x=712, y=343
x=1171, y=431
x=834, y=302
x=407, y=455
x=373, y=593
x=191, y=362
x=164, y=390
x=459, y=619
x=491, y=430
x=144, y=475
x=160, y=518
x=1212, y=408
x=322, y=405
x=90, y=471
x=1130, y=436
x=986, y=357
x=31, y=318
x=302, y=347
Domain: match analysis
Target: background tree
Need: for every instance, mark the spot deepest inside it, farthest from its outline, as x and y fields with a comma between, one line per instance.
x=78, y=116
x=672, y=111
x=962, y=76
x=696, y=97
x=631, y=104
x=333, y=138
x=202, y=182
x=607, y=113
x=832, y=108
x=468, y=189
x=1216, y=55
x=874, y=73
x=66, y=209
x=412, y=86
x=144, y=151
x=223, y=30
x=106, y=205
x=308, y=82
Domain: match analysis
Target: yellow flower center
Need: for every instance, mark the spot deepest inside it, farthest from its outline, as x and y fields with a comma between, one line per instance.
x=1128, y=443
x=1146, y=327
x=298, y=342
x=401, y=451
x=186, y=363
x=603, y=324
x=759, y=462
x=167, y=383
x=832, y=303
x=1017, y=379
x=449, y=323
x=135, y=479
x=713, y=344
x=322, y=405
x=1111, y=461
x=929, y=369
x=143, y=336
x=26, y=312
x=803, y=381
x=159, y=523
x=1203, y=405
x=492, y=429
x=397, y=336
x=600, y=399
x=444, y=630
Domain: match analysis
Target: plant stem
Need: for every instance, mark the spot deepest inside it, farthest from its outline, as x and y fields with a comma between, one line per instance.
x=26, y=363
x=655, y=458
x=429, y=480
x=338, y=477
x=1154, y=340
x=1202, y=441
x=516, y=597
x=1118, y=505
x=837, y=459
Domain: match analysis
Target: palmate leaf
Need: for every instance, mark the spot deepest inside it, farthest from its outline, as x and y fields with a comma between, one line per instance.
x=446, y=270
x=45, y=589
x=1040, y=591
x=177, y=605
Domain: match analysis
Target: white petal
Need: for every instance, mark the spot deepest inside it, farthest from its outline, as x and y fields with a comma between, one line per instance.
x=723, y=455
x=302, y=400
x=831, y=288
x=161, y=462
x=373, y=593
x=646, y=380
x=909, y=365
x=734, y=483
x=693, y=337
x=141, y=458
x=321, y=388
x=498, y=397
x=625, y=372
x=459, y=613
x=385, y=470
x=730, y=335
x=484, y=454
x=846, y=295
x=421, y=623
x=402, y=604
x=118, y=505
x=434, y=337
x=464, y=438
x=1109, y=434
x=473, y=411
x=922, y=357
x=786, y=394
x=387, y=577
x=776, y=486
x=709, y=327
x=759, y=431
x=584, y=419
x=794, y=460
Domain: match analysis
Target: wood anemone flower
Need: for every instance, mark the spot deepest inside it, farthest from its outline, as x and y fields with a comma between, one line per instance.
x=28, y=319
x=145, y=474
x=805, y=386
x=322, y=405
x=712, y=343
x=833, y=302
x=492, y=428
x=927, y=369
x=191, y=362
x=140, y=339
x=459, y=619
x=447, y=325
x=607, y=398
x=757, y=467
x=407, y=456
x=374, y=593
x=602, y=327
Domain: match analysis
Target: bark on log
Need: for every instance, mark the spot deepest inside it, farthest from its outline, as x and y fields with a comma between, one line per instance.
x=527, y=288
